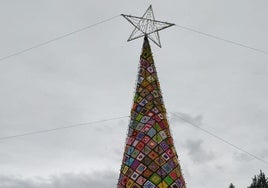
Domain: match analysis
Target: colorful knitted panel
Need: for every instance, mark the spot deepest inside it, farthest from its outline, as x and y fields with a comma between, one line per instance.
x=150, y=159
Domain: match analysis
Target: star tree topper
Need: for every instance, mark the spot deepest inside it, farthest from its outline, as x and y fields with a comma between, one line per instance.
x=147, y=26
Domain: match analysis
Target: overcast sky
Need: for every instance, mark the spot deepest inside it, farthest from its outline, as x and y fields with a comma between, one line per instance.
x=91, y=76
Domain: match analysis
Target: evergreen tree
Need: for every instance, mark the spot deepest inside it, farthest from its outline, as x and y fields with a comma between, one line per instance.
x=231, y=186
x=259, y=181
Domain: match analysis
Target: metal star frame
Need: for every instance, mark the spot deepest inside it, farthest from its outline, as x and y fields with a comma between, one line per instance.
x=146, y=26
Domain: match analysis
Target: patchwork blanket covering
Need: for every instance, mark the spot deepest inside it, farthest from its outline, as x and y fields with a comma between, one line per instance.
x=150, y=159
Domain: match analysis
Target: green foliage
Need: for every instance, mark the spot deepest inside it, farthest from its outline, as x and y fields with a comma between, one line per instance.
x=259, y=181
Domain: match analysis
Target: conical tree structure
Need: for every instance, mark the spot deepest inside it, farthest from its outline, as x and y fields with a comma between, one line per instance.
x=150, y=159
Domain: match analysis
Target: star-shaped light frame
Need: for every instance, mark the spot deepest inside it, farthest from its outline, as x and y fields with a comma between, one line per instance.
x=146, y=26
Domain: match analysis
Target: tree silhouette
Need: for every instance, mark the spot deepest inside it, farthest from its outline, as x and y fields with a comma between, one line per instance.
x=231, y=186
x=259, y=181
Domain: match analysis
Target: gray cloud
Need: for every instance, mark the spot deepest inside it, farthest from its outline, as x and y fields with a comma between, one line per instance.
x=242, y=157
x=196, y=151
x=101, y=179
